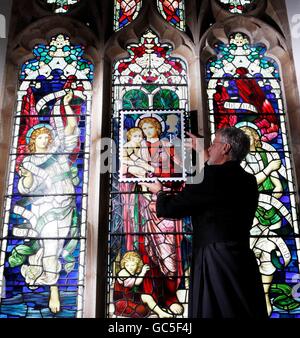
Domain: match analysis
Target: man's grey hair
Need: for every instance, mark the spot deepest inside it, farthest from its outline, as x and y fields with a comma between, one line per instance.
x=239, y=141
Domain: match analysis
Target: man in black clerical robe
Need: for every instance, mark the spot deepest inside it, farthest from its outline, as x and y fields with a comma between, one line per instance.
x=225, y=280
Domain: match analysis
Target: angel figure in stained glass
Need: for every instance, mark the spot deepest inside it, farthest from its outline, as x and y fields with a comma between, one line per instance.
x=49, y=212
x=264, y=162
x=129, y=296
x=243, y=88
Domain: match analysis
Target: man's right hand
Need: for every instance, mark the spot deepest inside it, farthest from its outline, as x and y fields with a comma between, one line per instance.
x=194, y=144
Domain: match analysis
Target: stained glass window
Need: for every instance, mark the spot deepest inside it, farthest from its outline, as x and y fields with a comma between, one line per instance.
x=149, y=258
x=125, y=11
x=44, y=235
x=244, y=90
x=173, y=12
x=62, y=6
x=237, y=6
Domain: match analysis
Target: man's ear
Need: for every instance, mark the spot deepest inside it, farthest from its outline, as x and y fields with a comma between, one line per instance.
x=227, y=148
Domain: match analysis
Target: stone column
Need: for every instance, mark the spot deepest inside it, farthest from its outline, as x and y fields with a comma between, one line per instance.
x=5, y=10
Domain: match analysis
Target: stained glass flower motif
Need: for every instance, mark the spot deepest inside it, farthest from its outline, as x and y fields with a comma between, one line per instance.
x=62, y=6
x=150, y=63
x=173, y=11
x=244, y=90
x=237, y=6
x=125, y=11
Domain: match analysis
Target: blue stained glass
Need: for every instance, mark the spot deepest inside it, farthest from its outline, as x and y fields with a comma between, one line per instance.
x=125, y=12
x=173, y=11
x=45, y=188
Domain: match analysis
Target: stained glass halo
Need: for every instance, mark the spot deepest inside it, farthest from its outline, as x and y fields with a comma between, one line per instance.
x=248, y=124
x=35, y=127
x=156, y=116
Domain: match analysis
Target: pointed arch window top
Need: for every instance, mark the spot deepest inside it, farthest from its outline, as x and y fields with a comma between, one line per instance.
x=237, y=6
x=62, y=6
x=150, y=62
x=125, y=11
x=173, y=12
x=239, y=54
x=60, y=52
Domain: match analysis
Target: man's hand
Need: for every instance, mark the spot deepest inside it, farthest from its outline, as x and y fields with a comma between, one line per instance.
x=193, y=143
x=154, y=187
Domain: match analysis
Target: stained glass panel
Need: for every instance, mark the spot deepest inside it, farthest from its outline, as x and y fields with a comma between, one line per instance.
x=44, y=236
x=62, y=6
x=149, y=258
x=135, y=99
x=238, y=6
x=166, y=99
x=125, y=11
x=173, y=11
x=244, y=90
x=164, y=158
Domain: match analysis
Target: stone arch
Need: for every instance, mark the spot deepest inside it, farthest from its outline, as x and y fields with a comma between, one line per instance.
x=43, y=29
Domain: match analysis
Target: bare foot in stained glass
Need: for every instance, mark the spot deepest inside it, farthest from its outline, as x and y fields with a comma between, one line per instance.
x=161, y=313
x=177, y=309
x=148, y=299
x=54, y=302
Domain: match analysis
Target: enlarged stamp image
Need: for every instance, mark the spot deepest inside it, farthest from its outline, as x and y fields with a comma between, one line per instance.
x=151, y=146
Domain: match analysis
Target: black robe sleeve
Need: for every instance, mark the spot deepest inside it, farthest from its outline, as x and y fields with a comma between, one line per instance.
x=188, y=202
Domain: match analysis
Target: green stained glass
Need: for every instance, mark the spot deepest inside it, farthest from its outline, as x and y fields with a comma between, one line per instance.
x=135, y=99
x=166, y=99
x=150, y=88
x=244, y=90
x=44, y=278
x=152, y=79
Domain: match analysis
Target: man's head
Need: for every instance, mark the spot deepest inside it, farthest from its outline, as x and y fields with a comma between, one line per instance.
x=229, y=144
